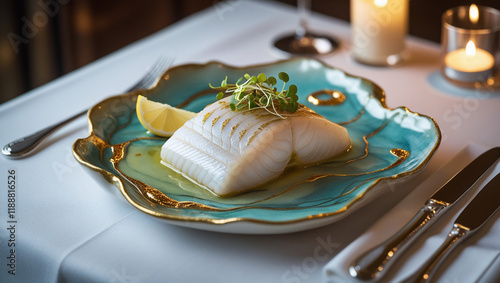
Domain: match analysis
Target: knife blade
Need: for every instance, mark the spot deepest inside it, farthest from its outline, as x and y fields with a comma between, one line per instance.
x=475, y=214
x=375, y=262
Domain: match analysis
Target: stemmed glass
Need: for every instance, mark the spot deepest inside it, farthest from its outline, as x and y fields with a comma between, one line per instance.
x=303, y=41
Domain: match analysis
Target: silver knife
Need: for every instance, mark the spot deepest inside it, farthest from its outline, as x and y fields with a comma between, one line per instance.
x=373, y=263
x=475, y=214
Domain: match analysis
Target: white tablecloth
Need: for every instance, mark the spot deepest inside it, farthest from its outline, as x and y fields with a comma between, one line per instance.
x=71, y=228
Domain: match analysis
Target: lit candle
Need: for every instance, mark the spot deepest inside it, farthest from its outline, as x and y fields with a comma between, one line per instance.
x=473, y=13
x=470, y=59
x=379, y=28
x=471, y=63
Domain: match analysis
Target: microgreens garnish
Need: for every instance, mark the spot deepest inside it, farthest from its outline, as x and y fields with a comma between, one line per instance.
x=260, y=92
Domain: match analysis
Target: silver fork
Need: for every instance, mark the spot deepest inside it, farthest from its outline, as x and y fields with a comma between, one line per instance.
x=23, y=146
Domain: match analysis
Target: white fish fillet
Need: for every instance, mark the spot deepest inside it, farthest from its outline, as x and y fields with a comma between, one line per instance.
x=233, y=151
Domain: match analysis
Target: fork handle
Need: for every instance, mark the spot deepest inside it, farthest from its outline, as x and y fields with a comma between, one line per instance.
x=372, y=263
x=424, y=273
x=23, y=146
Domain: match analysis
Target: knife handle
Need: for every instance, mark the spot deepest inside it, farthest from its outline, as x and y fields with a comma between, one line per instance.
x=425, y=272
x=371, y=264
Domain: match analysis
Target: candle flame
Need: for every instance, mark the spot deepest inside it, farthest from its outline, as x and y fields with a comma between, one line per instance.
x=473, y=13
x=470, y=49
x=380, y=3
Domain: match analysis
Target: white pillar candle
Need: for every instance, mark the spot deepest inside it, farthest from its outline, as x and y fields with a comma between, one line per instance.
x=379, y=28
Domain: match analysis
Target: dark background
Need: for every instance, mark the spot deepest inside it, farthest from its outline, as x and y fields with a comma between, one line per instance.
x=63, y=35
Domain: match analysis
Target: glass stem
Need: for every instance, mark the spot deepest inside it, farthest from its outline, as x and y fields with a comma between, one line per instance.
x=303, y=7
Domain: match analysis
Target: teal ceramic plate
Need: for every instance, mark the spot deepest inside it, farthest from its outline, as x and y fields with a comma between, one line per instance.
x=386, y=144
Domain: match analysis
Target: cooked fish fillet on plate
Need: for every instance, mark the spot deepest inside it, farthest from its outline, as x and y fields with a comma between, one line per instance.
x=230, y=152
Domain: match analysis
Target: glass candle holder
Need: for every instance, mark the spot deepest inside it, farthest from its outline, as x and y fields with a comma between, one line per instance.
x=470, y=38
x=379, y=28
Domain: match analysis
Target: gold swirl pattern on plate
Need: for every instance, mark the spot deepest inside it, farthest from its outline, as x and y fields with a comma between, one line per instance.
x=334, y=97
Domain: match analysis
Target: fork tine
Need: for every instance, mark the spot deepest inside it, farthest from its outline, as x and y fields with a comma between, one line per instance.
x=161, y=67
x=154, y=70
x=158, y=68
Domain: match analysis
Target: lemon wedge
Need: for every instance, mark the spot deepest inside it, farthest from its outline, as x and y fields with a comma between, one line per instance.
x=161, y=119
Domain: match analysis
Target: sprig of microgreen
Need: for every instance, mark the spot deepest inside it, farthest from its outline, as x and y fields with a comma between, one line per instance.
x=260, y=92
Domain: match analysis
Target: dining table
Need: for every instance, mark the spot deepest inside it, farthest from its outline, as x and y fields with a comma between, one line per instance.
x=60, y=223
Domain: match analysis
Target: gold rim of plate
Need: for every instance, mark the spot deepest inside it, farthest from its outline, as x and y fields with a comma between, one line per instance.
x=378, y=94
